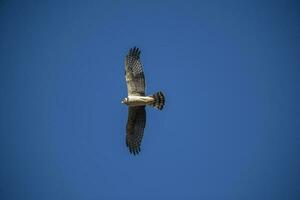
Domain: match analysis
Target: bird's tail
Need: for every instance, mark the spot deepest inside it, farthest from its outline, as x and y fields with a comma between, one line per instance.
x=159, y=100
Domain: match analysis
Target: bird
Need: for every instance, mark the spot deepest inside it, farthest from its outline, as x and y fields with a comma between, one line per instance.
x=137, y=100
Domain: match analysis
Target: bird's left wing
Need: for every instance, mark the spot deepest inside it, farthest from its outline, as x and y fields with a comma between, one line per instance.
x=135, y=128
x=134, y=74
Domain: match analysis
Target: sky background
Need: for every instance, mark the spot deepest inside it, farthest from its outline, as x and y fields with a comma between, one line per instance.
x=230, y=73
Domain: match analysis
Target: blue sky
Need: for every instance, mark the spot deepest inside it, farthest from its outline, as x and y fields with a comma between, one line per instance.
x=230, y=73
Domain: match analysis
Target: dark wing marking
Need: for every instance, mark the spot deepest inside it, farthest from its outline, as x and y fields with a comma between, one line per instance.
x=134, y=74
x=135, y=128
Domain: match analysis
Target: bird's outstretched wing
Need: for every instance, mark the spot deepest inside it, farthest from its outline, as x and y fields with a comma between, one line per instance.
x=134, y=74
x=135, y=128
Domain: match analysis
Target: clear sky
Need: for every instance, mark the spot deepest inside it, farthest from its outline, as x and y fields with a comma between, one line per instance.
x=230, y=73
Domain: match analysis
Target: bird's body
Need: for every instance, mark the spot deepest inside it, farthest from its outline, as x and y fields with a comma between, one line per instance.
x=137, y=100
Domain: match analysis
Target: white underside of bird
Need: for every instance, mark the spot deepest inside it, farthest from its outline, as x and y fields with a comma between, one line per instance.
x=138, y=100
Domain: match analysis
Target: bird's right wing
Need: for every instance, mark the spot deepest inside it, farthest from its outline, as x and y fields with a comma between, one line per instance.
x=135, y=128
x=134, y=74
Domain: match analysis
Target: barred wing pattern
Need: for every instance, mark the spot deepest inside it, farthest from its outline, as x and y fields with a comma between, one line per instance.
x=135, y=128
x=134, y=74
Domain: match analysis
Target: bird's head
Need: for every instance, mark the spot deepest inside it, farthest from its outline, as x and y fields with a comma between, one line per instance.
x=124, y=101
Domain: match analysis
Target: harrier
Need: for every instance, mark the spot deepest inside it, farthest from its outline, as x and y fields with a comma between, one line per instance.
x=137, y=100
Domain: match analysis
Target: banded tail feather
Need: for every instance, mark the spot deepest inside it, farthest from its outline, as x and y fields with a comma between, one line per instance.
x=159, y=100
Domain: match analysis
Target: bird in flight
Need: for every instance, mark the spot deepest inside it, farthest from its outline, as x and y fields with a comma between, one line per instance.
x=137, y=100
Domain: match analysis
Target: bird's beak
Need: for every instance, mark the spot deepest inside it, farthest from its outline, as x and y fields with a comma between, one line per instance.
x=122, y=101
